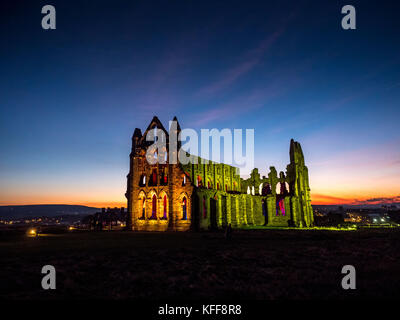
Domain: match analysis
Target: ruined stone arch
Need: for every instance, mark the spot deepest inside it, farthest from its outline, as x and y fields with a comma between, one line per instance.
x=266, y=189
x=287, y=186
x=183, y=194
x=142, y=193
x=279, y=186
x=151, y=192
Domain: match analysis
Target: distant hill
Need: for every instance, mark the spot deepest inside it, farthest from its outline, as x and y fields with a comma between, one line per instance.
x=48, y=210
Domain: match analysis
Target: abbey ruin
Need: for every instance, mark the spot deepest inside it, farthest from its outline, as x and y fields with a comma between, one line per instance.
x=179, y=197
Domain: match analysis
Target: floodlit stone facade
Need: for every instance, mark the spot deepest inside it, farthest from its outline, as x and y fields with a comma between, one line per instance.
x=179, y=197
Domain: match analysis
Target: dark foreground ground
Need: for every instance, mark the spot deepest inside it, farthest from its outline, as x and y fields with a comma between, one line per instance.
x=254, y=264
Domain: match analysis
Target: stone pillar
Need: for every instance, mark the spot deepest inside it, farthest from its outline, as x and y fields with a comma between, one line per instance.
x=249, y=209
x=228, y=209
x=242, y=209
x=235, y=218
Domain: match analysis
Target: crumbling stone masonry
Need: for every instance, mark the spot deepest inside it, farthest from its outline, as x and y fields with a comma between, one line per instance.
x=180, y=197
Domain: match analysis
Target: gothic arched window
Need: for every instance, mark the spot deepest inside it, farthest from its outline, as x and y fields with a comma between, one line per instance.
x=184, y=209
x=164, y=177
x=142, y=180
x=154, y=177
x=143, y=207
x=154, y=207
x=165, y=205
x=184, y=180
x=199, y=181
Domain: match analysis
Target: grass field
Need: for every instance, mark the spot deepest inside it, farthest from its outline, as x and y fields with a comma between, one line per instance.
x=254, y=264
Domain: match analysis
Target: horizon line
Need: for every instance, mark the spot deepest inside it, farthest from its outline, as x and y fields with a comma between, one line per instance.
x=124, y=205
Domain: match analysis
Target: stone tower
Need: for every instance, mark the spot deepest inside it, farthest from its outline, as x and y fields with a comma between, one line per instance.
x=158, y=195
x=297, y=172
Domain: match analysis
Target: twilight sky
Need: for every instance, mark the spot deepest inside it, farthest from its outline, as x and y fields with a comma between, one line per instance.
x=70, y=98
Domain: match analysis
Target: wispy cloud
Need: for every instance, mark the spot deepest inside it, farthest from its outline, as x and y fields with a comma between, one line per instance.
x=379, y=200
x=250, y=60
x=238, y=105
x=326, y=199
